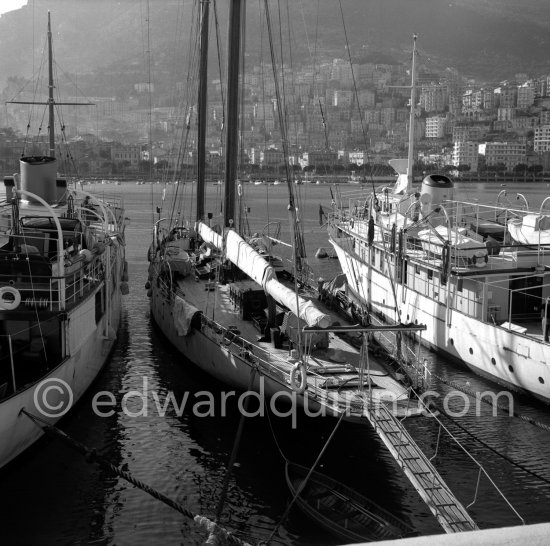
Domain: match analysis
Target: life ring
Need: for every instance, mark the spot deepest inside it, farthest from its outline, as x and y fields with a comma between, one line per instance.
x=479, y=259
x=298, y=386
x=13, y=298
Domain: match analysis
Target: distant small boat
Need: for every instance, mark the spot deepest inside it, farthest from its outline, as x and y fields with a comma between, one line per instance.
x=347, y=514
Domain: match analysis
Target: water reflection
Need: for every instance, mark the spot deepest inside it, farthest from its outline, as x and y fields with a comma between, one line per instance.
x=52, y=495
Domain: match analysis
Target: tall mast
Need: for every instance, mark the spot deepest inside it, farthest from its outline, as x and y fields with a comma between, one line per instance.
x=232, y=135
x=51, y=126
x=412, y=118
x=202, y=103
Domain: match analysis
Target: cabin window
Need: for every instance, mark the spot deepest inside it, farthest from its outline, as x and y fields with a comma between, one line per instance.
x=417, y=270
x=430, y=274
x=459, y=285
x=99, y=304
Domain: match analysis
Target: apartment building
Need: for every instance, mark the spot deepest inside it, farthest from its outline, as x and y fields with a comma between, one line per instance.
x=465, y=153
x=320, y=158
x=435, y=127
x=272, y=157
x=122, y=153
x=506, y=96
x=434, y=98
x=526, y=94
x=541, y=142
x=509, y=154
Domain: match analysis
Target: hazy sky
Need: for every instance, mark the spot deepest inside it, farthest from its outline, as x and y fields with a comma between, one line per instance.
x=9, y=5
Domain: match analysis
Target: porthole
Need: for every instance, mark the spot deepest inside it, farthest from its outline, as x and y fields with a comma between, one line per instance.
x=541, y=380
x=511, y=368
x=471, y=351
x=452, y=341
x=408, y=318
x=493, y=362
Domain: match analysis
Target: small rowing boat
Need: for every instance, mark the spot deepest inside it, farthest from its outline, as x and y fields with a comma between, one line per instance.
x=344, y=512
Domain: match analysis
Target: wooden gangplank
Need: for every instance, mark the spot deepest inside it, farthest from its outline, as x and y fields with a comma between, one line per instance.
x=450, y=513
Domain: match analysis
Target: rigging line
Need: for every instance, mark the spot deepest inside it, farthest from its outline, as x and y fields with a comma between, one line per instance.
x=150, y=108
x=267, y=412
x=220, y=59
x=192, y=74
x=489, y=402
x=263, y=75
x=355, y=90
x=242, y=119
x=470, y=456
x=34, y=295
x=292, y=76
x=177, y=153
x=235, y=449
x=282, y=57
x=490, y=448
x=304, y=482
x=299, y=253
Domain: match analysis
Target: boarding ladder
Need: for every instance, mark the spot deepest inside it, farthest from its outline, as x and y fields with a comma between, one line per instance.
x=450, y=513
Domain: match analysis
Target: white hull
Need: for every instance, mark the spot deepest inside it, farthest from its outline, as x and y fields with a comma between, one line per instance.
x=507, y=357
x=89, y=353
x=206, y=351
x=207, y=348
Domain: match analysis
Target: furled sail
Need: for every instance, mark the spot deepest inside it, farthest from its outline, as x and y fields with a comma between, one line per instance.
x=209, y=235
x=248, y=260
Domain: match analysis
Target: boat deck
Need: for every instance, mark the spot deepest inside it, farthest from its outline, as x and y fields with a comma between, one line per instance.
x=334, y=372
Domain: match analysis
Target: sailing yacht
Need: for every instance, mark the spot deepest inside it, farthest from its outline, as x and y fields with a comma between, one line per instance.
x=233, y=310
x=477, y=275
x=62, y=272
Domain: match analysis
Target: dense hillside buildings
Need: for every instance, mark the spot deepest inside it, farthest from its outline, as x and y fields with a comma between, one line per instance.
x=334, y=116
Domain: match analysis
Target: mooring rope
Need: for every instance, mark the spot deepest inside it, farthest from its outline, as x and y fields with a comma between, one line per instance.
x=217, y=534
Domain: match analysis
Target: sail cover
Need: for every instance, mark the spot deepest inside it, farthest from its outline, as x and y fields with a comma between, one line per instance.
x=209, y=235
x=183, y=315
x=247, y=259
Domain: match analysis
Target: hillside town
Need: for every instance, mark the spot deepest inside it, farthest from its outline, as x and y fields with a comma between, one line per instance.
x=341, y=118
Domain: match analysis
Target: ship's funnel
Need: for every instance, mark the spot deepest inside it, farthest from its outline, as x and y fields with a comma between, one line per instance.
x=38, y=176
x=436, y=189
x=439, y=187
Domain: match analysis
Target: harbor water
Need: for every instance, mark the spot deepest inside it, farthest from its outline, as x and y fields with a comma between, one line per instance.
x=53, y=495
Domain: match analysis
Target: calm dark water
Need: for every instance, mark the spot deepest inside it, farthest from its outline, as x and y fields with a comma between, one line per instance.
x=51, y=495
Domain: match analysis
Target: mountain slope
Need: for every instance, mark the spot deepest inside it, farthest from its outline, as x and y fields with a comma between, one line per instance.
x=487, y=39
